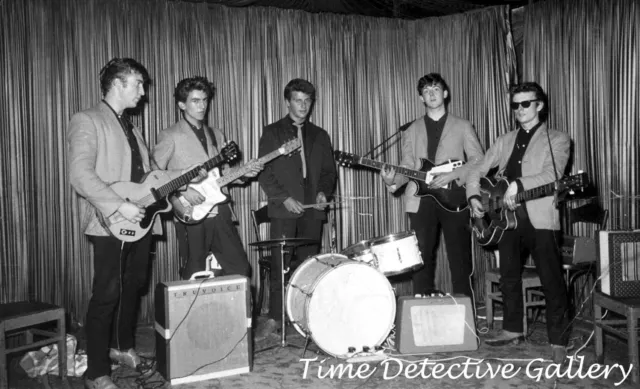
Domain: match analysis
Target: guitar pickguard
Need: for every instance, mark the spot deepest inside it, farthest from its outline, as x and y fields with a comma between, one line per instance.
x=209, y=188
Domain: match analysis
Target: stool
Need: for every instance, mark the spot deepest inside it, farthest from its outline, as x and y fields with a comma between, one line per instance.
x=530, y=288
x=16, y=318
x=630, y=309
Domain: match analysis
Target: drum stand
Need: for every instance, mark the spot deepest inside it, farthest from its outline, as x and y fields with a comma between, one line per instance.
x=283, y=329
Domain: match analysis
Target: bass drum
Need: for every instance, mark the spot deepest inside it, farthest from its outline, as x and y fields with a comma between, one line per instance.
x=343, y=305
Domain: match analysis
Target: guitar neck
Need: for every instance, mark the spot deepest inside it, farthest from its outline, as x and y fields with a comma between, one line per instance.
x=240, y=171
x=535, y=193
x=416, y=174
x=175, y=184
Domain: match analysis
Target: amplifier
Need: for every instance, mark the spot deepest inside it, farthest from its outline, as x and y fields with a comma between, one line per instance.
x=203, y=328
x=435, y=324
x=578, y=249
x=619, y=263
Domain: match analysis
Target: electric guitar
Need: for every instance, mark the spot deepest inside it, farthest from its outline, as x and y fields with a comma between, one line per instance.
x=210, y=187
x=498, y=218
x=451, y=198
x=152, y=194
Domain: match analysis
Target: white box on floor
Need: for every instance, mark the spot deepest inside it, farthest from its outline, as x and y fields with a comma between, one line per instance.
x=203, y=329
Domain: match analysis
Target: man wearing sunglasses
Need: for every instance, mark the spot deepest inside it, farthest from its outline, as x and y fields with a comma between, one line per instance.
x=527, y=158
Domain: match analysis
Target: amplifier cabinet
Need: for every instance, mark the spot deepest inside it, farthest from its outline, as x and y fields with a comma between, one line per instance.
x=435, y=324
x=203, y=329
x=578, y=249
x=619, y=263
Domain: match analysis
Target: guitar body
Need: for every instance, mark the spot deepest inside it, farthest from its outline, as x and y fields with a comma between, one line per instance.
x=452, y=198
x=138, y=193
x=496, y=220
x=208, y=187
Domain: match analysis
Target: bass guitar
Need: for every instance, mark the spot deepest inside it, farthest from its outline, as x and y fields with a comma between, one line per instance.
x=210, y=187
x=152, y=194
x=451, y=198
x=498, y=218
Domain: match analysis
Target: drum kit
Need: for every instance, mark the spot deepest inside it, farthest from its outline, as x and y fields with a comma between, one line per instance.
x=344, y=302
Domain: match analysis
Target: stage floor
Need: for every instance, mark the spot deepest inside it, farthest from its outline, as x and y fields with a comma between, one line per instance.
x=284, y=367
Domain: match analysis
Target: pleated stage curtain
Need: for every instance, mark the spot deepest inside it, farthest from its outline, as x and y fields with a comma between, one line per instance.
x=365, y=70
x=586, y=54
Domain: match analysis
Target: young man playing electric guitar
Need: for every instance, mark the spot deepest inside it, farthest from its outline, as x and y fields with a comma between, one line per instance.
x=105, y=147
x=190, y=142
x=530, y=156
x=438, y=137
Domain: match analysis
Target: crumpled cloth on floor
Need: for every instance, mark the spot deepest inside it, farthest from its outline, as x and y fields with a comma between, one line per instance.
x=45, y=360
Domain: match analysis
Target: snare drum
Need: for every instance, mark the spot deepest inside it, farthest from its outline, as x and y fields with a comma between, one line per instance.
x=361, y=252
x=397, y=253
x=340, y=304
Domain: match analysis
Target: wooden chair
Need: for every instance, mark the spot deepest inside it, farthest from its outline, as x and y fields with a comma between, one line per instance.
x=626, y=328
x=579, y=263
x=259, y=217
x=530, y=293
x=531, y=286
x=20, y=318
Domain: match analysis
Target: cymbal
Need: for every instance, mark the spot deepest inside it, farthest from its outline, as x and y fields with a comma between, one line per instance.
x=284, y=242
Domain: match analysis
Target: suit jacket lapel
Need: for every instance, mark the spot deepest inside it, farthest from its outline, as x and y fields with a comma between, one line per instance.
x=208, y=133
x=192, y=139
x=538, y=139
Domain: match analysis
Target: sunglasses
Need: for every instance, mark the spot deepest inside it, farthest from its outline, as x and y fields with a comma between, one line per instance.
x=524, y=104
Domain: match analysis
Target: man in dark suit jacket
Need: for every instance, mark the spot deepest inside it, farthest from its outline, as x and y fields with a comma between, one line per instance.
x=291, y=182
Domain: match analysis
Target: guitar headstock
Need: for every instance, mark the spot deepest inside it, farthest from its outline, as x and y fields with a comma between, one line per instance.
x=230, y=151
x=290, y=146
x=575, y=182
x=346, y=159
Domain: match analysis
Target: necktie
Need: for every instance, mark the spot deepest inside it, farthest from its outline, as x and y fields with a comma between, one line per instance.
x=302, y=155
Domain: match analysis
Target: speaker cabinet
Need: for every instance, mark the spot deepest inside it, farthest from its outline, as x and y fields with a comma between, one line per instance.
x=203, y=328
x=619, y=263
x=435, y=324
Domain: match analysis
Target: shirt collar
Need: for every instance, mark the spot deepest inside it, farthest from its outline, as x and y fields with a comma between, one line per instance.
x=292, y=123
x=442, y=119
x=532, y=130
x=112, y=110
x=194, y=128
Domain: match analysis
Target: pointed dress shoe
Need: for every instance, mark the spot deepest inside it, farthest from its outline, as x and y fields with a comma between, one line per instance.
x=504, y=338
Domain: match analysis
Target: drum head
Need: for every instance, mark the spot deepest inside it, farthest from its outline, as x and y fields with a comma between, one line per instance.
x=302, y=283
x=391, y=237
x=356, y=248
x=352, y=305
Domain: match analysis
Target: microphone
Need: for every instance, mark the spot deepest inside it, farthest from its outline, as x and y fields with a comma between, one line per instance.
x=402, y=128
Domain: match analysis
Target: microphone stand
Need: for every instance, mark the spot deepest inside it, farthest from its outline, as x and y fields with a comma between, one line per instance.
x=401, y=129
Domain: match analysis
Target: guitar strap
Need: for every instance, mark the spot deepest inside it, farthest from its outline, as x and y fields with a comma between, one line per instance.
x=555, y=170
x=214, y=142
